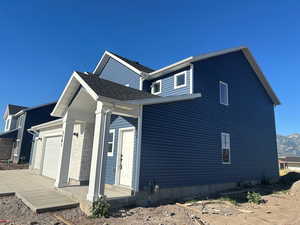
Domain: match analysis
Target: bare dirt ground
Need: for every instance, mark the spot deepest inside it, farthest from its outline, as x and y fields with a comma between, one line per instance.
x=281, y=207
x=4, y=165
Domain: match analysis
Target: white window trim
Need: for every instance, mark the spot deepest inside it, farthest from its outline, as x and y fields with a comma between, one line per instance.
x=226, y=135
x=175, y=79
x=227, y=100
x=113, y=142
x=152, y=89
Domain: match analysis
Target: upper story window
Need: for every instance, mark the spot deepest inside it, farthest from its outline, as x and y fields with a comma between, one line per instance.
x=180, y=80
x=156, y=87
x=223, y=93
x=225, y=140
x=111, y=140
x=20, y=121
x=7, y=124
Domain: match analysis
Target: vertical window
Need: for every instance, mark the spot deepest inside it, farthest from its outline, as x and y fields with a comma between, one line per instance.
x=111, y=140
x=156, y=87
x=20, y=121
x=180, y=80
x=7, y=124
x=223, y=93
x=225, y=140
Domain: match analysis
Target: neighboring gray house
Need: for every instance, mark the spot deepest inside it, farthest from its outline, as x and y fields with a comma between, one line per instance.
x=200, y=125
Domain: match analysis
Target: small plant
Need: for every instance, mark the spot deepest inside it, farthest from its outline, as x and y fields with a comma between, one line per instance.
x=100, y=208
x=254, y=197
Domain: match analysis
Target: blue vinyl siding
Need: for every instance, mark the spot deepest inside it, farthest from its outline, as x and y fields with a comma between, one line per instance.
x=167, y=82
x=116, y=72
x=118, y=122
x=181, y=142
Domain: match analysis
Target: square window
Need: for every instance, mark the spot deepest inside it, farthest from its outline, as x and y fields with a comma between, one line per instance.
x=180, y=80
x=156, y=87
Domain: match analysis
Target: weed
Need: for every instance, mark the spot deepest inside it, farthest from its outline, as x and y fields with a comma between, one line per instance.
x=254, y=197
x=100, y=208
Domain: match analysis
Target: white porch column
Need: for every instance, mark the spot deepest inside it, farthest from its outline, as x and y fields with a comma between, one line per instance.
x=99, y=154
x=64, y=158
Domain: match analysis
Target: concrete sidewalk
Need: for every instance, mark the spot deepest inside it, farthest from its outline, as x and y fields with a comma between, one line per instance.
x=37, y=192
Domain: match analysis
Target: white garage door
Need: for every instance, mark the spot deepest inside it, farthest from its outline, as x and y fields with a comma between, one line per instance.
x=51, y=156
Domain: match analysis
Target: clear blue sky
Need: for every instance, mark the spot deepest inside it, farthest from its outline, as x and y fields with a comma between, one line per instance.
x=42, y=42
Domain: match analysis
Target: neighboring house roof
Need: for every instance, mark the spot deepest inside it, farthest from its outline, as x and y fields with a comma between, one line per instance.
x=34, y=107
x=12, y=109
x=9, y=134
x=113, y=90
x=152, y=74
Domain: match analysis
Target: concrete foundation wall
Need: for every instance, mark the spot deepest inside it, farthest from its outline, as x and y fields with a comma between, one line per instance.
x=6, y=145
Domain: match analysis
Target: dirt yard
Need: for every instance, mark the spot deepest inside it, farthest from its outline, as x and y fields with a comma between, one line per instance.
x=281, y=206
x=4, y=165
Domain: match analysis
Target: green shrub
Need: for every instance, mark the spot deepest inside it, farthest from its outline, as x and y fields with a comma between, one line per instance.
x=254, y=197
x=100, y=208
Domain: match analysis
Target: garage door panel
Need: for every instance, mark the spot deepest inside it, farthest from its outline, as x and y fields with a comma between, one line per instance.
x=51, y=156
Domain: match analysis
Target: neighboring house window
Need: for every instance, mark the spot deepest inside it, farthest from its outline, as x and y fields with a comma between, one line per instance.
x=7, y=124
x=156, y=87
x=225, y=140
x=111, y=140
x=127, y=85
x=223, y=93
x=180, y=80
x=20, y=121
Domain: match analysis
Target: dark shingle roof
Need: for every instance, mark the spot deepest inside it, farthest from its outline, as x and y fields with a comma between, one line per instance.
x=113, y=90
x=13, y=109
x=135, y=64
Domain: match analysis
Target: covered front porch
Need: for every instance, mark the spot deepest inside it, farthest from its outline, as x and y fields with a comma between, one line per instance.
x=102, y=153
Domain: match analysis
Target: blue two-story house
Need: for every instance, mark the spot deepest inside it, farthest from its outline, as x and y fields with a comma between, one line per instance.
x=201, y=125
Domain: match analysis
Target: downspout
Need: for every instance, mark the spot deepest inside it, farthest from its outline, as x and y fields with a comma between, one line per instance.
x=32, y=151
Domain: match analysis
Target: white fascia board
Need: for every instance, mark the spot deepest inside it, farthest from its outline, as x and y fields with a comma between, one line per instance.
x=104, y=59
x=159, y=100
x=93, y=94
x=46, y=125
x=170, y=68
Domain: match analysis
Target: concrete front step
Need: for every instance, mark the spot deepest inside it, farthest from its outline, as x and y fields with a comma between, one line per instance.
x=46, y=200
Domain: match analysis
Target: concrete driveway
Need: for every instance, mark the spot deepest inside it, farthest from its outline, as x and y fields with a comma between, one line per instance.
x=37, y=192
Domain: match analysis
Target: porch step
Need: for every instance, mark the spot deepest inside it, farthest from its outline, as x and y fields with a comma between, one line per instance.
x=46, y=200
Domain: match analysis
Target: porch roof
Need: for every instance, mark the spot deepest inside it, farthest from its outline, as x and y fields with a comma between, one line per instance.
x=98, y=89
x=113, y=90
x=9, y=134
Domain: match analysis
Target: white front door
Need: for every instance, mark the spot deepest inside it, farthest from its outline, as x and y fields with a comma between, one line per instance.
x=51, y=156
x=126, y=155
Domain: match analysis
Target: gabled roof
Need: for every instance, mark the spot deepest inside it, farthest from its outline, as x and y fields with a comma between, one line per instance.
x=130, y=64
x=34, y=107
x=113, y=90
x=97, y=88
x=12, y=109
x=149, y=74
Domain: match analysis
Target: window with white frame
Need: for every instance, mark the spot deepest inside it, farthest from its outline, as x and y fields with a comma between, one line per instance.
x=180, y=80
x=223, y=93
x=225, y=140
x=20, y=121
x=7, y=124
x=156, y=87
x=111, y=140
